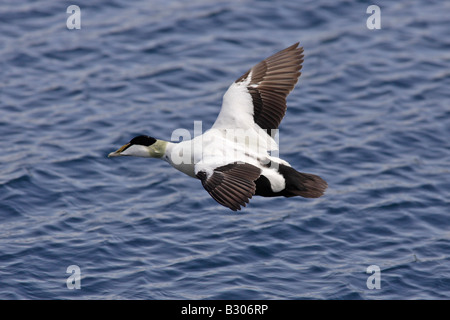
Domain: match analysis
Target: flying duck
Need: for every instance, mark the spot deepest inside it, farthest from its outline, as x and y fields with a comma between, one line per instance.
x=236, y=158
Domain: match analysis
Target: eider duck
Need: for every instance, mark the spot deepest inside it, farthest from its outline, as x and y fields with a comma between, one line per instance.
x=235, y=160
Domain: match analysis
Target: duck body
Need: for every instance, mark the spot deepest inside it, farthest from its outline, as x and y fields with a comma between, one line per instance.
x=217, y=147
x=236, y=158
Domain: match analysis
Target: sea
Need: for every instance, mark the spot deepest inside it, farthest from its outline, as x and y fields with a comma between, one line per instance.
x=370, y=115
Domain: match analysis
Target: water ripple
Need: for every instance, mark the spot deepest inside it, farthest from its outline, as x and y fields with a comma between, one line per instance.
x=370, y=114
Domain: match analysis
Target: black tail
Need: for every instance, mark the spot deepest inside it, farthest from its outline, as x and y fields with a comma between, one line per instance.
x=297, y=184
x=306, y=185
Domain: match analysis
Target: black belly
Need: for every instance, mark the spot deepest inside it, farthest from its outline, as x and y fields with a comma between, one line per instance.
x=263, y=188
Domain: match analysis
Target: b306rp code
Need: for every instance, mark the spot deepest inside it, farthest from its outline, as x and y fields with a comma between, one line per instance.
x=246, y=309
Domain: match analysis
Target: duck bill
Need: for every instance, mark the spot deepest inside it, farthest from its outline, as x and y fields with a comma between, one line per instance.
x=118, y=151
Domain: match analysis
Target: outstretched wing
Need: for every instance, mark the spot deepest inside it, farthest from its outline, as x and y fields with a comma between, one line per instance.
x=259, y=96
x=231, y=185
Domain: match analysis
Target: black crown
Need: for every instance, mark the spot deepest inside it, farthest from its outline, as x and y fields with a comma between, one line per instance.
x=143, y=140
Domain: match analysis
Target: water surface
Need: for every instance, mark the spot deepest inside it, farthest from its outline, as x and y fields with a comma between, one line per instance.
x=370, y=115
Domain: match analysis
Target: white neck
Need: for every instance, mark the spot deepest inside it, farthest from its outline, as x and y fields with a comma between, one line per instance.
x=179, y=155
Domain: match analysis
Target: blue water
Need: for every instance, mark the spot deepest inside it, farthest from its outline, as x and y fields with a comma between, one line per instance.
x=370, y=114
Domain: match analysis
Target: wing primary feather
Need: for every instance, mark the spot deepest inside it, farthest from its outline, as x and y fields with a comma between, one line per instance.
x=268, y=83
x=231, y=185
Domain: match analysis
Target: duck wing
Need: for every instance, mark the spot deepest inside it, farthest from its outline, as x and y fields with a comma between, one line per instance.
x=259, y=96
x=232, y=185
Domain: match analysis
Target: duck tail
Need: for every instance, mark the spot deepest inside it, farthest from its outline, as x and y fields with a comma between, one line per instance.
x=306, y=185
